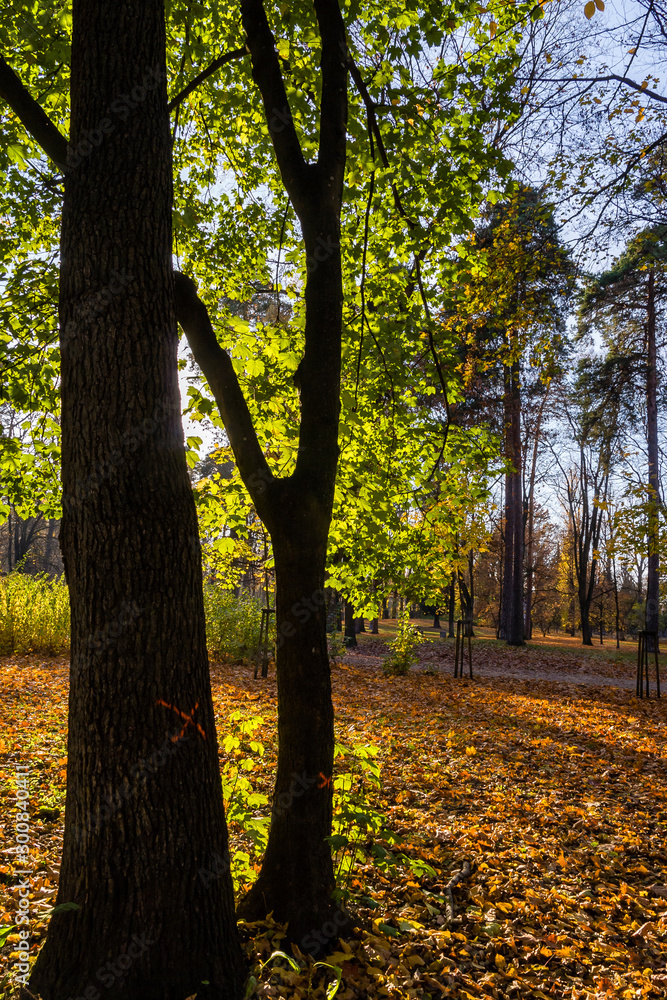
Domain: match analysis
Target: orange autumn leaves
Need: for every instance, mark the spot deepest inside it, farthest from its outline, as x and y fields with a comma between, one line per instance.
x=556, y=794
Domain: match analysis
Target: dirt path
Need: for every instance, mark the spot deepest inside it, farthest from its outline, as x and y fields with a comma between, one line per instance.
x=569, y=665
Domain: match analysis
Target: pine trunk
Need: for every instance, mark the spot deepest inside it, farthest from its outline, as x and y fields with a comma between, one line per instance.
x=512, y=610
x=653, y=575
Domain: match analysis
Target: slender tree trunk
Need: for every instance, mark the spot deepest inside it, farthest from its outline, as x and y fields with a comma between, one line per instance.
x=586, y=630
x=360, y=625
x=452, y=608
x=512, y=614
x=436, y=620
x=145, y=854
x=530, y=547
x=374, y=626
x=653, y=576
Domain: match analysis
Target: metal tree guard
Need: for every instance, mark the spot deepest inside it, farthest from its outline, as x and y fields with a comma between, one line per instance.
x=642, y=662
x=263, y=643
x=460, y=646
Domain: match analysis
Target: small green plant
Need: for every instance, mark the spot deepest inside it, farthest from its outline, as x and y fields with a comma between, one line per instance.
x=403, y=647
x=355, y=818
x=361, y=831
x=243, y=803
x=336, y=647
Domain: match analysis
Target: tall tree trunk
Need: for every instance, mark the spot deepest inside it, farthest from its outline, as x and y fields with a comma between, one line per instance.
x=653, y=577
x=139, y=832
x=586, y=630
x=530, y=546
x=297, y=875
x=512, y=612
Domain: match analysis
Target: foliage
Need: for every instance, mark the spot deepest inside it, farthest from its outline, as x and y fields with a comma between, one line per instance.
x=34, y=618
x=244, y=755
x=403, y=647
x=336, y=647
x=232, y=623
x=34, y=614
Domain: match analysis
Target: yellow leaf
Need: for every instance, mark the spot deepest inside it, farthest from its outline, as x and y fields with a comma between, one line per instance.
x=471, y=751
x=589, y=9
x=500, y=960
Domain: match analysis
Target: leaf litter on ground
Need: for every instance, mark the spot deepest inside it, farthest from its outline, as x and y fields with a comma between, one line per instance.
x=553, y=792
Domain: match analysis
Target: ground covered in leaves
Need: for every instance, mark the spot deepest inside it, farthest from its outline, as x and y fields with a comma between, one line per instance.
x=553, y=791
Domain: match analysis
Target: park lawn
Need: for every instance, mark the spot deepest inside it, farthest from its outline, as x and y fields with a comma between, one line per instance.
x=555, y=793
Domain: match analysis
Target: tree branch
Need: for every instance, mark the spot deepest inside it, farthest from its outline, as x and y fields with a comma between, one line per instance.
x=32, y=116
x=653, y=94
x=266, y=73
x=204, y=75
x=333, y=107
x=218, y=370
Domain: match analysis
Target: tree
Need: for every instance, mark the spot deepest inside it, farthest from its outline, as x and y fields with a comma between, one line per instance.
x=585, y=485
x=305, y=110
x=514, y=282
x=622, y=303
x=139, y=832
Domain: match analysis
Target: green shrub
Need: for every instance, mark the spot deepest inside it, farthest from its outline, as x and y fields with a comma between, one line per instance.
x=34, y=618
x=403, y=647
x=232, y=623
x=34, y=614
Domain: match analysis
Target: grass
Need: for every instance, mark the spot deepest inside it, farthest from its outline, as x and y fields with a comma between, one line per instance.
x=34, y=618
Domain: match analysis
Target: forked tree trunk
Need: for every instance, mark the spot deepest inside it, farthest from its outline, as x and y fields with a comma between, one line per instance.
x=145, y=855
x=296, y=878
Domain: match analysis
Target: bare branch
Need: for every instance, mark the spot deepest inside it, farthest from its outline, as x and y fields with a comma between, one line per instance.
x=204, y=75
x=653, y=94
x=32, y=116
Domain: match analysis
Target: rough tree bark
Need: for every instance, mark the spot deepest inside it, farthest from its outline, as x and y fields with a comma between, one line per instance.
x=512, y=606
x=530, y=528
x=451, y=610
x=296, y=879
x=653, y=575
x=139, y=832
